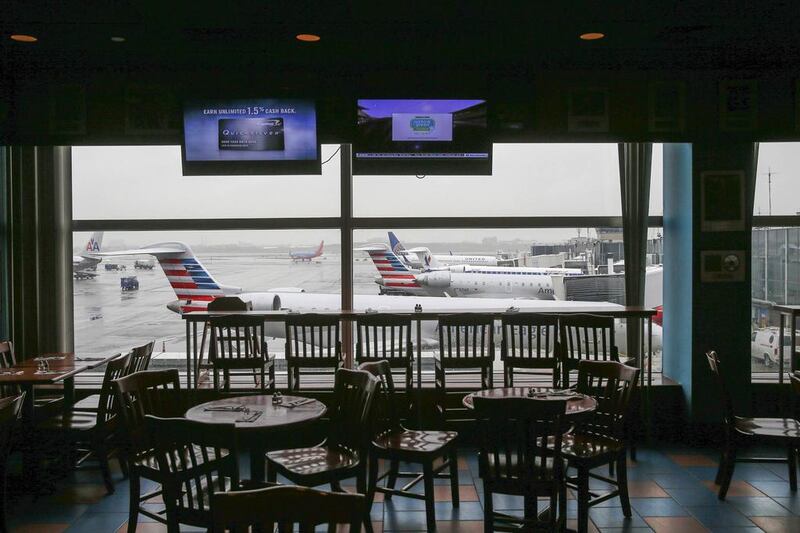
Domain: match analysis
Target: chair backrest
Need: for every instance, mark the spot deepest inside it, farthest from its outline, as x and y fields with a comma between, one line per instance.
x=313, y=336
x=149, y=392
x=287, y=506
x=353, y=394
x=794, y=379
x=7, y=360
x=236, y=337
x=530, y=340
x=195, y=461
x=715, y=365
x=383, y=336
x=229, y=303
x=585, y=338
x=611, y=384
x=385, y=414
x=529, y=430
x=107, y=406
x=466, y=336
x=7, y=357
x=140, y=358
x=10, y=410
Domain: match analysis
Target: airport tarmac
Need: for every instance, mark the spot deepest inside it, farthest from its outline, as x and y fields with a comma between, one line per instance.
x=108, y=319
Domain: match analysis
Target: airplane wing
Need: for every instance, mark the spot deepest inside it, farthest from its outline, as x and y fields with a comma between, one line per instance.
x=152, y=250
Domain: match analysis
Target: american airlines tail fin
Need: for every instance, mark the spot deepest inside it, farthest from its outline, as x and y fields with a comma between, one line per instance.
x=192, y=283
x=95, y=244
x=394, y=272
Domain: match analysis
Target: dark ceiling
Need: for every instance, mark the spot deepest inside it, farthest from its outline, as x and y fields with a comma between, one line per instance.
x=403, y=36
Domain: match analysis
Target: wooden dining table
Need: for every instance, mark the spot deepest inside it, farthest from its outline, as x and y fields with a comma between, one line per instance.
x=577, y=404
x=62, y=368
x=259, y=420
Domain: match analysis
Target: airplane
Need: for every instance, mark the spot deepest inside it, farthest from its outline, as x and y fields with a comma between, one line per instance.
x=412, y=258
x=195, y=287
x=306, y=255
x=396, y=277
x=83, y=265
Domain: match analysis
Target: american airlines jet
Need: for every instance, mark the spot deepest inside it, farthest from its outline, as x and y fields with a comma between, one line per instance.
x=396, y=277
x=307, y=255
x=195, y=287
x=87, y=261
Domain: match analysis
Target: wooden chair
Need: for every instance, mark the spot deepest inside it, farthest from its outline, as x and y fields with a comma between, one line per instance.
x=10, y=409
x=287, y=506
x=195, y=460
x=313, y=344
x=138, y=359
x=740, y=430
x=344, y=453
x=93, y=432
x=599, y=439
x=585, y=338
x=466, y=346
x=150, y=392
x=395, y=443
x=386, y=338
x=514, y=458
x=237, y=344
x=530, y=341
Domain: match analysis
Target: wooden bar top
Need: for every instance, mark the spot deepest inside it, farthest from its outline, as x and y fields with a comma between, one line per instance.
x=425, y=314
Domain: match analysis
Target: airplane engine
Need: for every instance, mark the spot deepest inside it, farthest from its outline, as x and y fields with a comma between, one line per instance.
x=439, y=279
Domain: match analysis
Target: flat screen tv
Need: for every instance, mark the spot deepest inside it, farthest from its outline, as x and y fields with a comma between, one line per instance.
x=422, y=137
x=250, y=136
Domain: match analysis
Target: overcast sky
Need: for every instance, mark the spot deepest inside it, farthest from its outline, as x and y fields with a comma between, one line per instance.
x=139, y=182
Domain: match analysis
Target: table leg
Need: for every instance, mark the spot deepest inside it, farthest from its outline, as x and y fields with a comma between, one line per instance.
x=258, y=469
x=29, y=473
x=69, y=394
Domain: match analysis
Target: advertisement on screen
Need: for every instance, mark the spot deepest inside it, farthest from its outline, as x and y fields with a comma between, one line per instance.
x=250, y=130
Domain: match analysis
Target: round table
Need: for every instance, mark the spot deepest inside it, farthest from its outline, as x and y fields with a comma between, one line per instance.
x=575, y=405
x=274, y=418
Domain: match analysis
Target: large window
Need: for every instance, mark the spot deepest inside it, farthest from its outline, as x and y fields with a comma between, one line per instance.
x=775, y=254
x=545, y=205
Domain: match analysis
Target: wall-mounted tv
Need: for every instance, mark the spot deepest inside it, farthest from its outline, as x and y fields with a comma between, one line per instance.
x=250, y=136
x=416, y=136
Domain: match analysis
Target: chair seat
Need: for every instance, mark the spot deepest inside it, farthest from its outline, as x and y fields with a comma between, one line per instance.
x=90, y=403
x=313, y=461
x=72, y=421
x=788, y=428
x=412, y=441
x=577, y=447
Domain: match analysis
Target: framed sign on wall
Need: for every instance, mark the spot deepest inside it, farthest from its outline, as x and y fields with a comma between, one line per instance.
x=722, y=200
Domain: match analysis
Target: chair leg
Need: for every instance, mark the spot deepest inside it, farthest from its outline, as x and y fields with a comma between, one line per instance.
x=622, y=483
x=372, y=480
x=3, y=490
x=730, y=463
x=361, y=488
x=133, y=504
x=430, y=510
x=723, y=460
x=488, y=509
x=123, y=466
x=391, y=480
x=454, y=475
x=791, y=456
x=102, y=456
x=583, y=499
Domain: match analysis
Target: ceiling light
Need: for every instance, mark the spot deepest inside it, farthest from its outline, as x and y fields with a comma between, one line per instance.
x=22, y=38
x=118, y=39
x=307, y=37
x=592, y=36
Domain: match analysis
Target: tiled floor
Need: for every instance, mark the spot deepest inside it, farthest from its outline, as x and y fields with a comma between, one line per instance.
x=671, y=490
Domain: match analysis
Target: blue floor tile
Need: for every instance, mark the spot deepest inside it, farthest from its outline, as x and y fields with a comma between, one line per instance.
x=465, y=511
x=793, y=504
x=758, y=506
x=612, y=517
x=95, y=522
x=719, y=516
x=658, y=507
x=774, y=488
x=678, y=480
x=694, y=496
